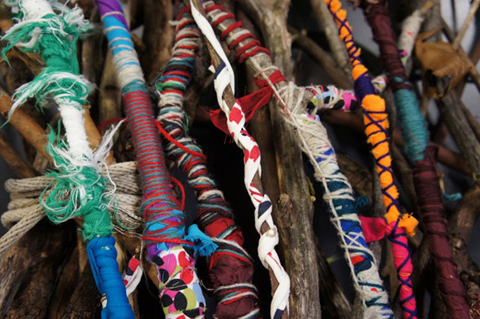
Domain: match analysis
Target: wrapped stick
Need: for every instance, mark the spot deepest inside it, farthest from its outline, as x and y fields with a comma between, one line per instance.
x=50, y=29
x=225, y=87
x=415, y=135
x=230, y=267
x=167, y=244
x=314, y=142
x=376, y=124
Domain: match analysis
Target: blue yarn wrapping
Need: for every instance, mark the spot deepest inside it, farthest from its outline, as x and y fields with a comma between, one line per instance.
x=102, y=255
x=414, y=130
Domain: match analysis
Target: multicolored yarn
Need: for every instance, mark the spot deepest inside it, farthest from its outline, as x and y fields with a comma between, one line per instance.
x=406, y=41
x=224, y=77
x=333, y=98
x=376, y=124
x=230, y=267
x=338, y=195
x=415, y=134
x=324, y=98
x=164, y=232
x=79, y=188
x=315, y=143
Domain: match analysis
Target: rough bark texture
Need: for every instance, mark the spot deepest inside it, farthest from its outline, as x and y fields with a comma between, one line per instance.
x=65, y=287
x=303, y=299
x=336, y=45
x=158, y=36
x=28, y=271
x=461, y=131
x=85, y=301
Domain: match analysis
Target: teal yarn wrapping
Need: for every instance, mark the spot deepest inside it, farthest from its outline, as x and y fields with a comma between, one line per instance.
x=414, y=131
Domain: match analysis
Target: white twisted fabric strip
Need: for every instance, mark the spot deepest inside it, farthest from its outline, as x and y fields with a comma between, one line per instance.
x=225, y=77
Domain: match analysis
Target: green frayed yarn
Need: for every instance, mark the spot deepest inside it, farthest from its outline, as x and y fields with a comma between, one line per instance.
x=77, y=191
x=57, y=45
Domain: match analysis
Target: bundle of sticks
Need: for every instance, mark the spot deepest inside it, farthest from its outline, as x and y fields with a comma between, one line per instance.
x=130, y=198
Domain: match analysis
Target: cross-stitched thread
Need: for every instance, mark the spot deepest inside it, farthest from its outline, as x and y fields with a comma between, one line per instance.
x=376, y=123
x=415, y=134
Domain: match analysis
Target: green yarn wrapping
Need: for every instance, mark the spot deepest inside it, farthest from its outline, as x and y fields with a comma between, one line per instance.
x=77, y=190
x=55, y=38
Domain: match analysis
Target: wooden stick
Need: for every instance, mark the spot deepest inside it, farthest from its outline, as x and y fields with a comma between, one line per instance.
x=110, y=98
x=323, y=58
x=336, y=45
x=466, y=24
x=474, y=57
x=230, y=100
x=304, y=295
x=460, y=226
x=44, y=246
x=158, y=36
x=272, y=24
x=38, y=283
x=20, y=168
x=85, y=301
x=358, y=175
x=461, y=131
x=29, y=129
x=65, y=287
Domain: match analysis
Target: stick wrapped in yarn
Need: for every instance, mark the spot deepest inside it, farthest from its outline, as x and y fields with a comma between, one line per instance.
x=314, y=142
x=415, y=134
x=376, y=124
x=168, y=247
x=79, y=188
x=230, y=266
x=225, y=77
